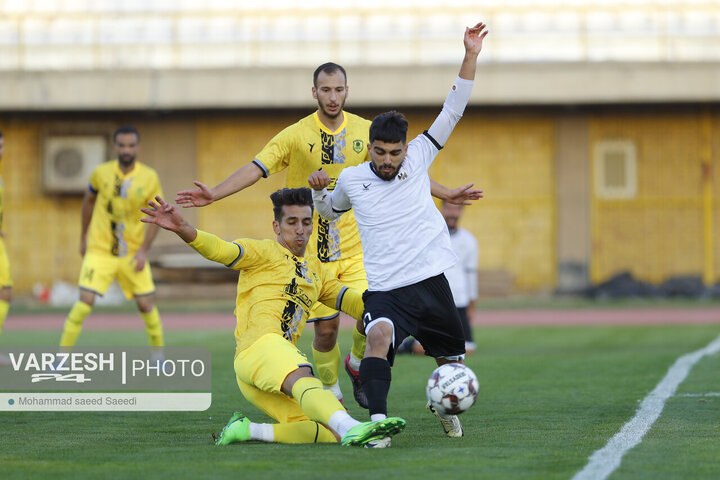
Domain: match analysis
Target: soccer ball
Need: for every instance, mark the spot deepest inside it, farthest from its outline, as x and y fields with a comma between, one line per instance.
x=452, y=388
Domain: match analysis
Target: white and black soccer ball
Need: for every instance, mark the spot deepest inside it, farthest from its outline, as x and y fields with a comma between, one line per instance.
x=452, y=388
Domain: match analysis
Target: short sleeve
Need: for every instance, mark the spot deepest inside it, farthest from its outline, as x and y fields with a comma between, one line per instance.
x=252, y=253
x=276, y=154
x=94, y=184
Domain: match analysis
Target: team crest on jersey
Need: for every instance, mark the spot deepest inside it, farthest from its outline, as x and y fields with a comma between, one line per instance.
x=358, y=146
x=402, y=176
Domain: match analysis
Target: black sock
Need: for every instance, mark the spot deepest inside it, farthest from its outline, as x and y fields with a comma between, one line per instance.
x=375, y=379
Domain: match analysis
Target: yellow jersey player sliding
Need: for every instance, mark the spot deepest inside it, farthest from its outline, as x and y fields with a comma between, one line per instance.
x=277, y=287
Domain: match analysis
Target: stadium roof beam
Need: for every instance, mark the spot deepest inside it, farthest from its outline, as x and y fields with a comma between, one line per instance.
x=499, y=84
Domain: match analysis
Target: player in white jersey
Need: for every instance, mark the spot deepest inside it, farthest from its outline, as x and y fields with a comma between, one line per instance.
x=462, y=277
x=406, y=245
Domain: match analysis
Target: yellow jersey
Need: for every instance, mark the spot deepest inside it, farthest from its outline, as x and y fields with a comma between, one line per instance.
x=308, y=146
x=115, y=227
x=275, y=289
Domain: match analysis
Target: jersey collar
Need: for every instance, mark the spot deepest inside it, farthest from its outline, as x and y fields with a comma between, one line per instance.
x=326, y=129
x=121, y=173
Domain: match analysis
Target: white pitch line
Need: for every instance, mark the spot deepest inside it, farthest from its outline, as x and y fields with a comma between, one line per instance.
x=709, y=394
x=606, y=460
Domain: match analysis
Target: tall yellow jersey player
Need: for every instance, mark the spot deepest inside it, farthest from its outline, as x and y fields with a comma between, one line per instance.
x=114, y=243
x=5, y=278
x=329, y=139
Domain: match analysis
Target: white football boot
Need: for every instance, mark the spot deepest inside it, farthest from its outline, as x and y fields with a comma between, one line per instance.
x=450, y=423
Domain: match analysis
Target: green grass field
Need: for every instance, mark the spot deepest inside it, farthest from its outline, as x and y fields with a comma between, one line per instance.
x=549, y=397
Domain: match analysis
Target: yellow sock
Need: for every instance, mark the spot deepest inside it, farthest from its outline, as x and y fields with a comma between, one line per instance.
x=358, y=346
x=302, y=432
x=73, y=323
x=153, y=327
x=4, y=307
x=327, y=364
x=317, y=403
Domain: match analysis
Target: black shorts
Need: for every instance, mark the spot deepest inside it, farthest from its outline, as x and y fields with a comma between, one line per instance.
x=426, y=310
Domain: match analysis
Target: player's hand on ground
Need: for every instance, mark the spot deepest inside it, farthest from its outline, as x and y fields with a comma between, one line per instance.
x=318, y=180
x=198, y=197
x=464, y=195
x=474, y=37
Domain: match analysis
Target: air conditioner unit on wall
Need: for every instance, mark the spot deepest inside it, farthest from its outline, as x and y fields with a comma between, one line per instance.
x=70, y=159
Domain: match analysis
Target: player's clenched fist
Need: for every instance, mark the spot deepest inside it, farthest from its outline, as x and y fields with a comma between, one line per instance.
x=319, y=180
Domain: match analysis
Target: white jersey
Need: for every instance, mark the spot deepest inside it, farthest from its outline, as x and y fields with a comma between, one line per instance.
x=404, y=236
x=462, y=276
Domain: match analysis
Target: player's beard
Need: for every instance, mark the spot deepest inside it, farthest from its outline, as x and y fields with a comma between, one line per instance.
x=387, y=176
x=329, y=114
x=126, y=160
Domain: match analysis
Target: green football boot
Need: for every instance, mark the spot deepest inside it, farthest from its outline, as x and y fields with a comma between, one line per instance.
x=236, y=430
x=366, y=432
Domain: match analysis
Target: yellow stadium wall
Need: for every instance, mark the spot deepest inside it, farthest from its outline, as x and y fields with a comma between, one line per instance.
x=659, y=233
x=712, y=125
x=42, y=232
x=224, y=144
x=511, y=154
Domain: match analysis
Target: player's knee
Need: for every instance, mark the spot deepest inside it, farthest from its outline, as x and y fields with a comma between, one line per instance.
x=326, y=333
x=292, y=378
x=6, y=294
x=145, y=304
x=87, y=297
x=379, y=337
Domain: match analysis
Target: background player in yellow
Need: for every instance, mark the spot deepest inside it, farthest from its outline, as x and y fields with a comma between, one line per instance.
x=277, y=287
x=114, y=243
x=5, y=278
x=331, y=139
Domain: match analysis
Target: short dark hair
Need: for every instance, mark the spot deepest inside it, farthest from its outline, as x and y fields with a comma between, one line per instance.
x=328, y=68
x=124, y=130
x=290, y=196
x=390, y=127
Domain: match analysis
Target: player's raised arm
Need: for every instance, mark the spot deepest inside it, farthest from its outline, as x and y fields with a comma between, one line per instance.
x=323, y=199
x=206, y=244
x=204, y=195
x=473, y=41
x=459, y=95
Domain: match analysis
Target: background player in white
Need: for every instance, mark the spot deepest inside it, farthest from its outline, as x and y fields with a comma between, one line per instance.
x=462, y=278
x=405, y=241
